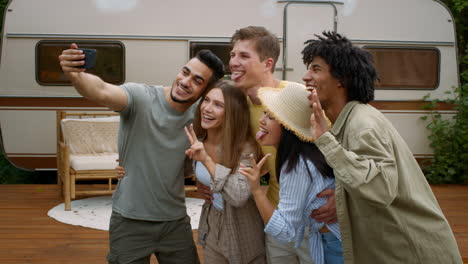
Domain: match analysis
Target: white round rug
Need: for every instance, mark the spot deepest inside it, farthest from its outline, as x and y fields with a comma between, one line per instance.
x=95, y=212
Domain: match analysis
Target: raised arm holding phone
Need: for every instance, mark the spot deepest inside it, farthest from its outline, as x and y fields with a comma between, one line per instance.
x=88, y=85
x=148, y=202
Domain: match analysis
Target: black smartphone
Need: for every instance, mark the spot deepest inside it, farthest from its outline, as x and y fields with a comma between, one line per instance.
x=90, y=58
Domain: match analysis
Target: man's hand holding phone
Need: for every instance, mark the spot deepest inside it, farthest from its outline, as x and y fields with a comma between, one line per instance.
x=74, y=60
x=90, y=58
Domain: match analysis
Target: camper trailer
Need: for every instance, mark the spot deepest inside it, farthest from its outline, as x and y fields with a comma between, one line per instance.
x=413, y=43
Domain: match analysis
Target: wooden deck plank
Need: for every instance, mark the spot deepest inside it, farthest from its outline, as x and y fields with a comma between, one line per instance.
x=28, y=235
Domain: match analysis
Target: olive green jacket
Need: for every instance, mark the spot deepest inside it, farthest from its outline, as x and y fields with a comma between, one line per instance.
x=386, y=209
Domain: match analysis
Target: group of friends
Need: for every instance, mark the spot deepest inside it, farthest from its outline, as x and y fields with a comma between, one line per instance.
x=343, y=185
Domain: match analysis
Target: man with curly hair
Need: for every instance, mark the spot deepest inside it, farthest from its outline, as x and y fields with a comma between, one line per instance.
x=385, y=207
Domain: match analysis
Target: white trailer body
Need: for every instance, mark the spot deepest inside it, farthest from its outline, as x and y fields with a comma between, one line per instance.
x=414, y=43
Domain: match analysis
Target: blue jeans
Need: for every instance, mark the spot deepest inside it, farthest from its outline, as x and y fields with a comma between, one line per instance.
x=332, y=249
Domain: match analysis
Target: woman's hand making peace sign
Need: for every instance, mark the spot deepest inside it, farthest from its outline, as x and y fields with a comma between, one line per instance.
x=197, y=149
x=253, y=173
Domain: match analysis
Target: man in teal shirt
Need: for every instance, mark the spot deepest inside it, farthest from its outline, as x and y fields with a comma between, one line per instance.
x=148, y=213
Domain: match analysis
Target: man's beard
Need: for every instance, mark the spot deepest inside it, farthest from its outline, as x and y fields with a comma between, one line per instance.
x=179, y=100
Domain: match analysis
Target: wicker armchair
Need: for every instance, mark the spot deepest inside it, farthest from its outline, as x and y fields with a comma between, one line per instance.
x=86, y=150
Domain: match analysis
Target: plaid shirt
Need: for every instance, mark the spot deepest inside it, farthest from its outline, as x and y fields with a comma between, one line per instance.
x=238, y=229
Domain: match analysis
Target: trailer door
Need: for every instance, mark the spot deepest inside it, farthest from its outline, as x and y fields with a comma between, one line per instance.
x=301, y=22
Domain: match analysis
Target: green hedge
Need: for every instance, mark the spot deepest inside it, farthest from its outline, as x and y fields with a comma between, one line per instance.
x=449, y=139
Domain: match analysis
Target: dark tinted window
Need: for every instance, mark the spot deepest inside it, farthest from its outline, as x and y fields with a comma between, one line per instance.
x=110, y=61
x=221, y=49
x=406, y=68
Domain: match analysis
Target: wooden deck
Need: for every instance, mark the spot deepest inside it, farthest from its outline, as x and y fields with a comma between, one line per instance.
x=28, y=235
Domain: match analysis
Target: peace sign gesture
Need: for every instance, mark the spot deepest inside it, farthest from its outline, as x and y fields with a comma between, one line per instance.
x=253, y=173
x=197, y=150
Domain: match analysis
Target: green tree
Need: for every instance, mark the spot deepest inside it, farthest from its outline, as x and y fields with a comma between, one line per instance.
x=449, y=138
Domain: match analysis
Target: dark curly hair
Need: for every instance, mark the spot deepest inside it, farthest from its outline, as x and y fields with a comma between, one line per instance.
x=351, y=65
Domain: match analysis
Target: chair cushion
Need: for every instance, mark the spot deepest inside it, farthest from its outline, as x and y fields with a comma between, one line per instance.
x=91, y=135
x=104, y=161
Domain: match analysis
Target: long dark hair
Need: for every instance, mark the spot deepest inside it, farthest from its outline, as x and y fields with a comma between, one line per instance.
x=291, y=149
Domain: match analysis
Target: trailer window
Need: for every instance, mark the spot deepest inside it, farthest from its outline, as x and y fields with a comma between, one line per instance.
x=221, y=49
x=406, y=68
x=110, y=61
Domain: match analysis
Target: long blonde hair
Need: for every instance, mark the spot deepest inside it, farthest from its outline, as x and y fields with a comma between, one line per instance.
x=236, y=130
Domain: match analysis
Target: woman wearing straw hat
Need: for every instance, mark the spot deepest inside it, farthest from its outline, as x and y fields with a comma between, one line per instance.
x=303, y=173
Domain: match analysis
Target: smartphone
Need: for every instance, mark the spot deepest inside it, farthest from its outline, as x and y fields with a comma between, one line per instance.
x=90, y=58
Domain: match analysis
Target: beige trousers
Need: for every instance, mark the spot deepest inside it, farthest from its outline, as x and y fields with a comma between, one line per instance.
x=278, y=253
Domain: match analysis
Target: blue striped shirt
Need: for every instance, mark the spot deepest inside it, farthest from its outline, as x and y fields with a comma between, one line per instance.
x=298, y=198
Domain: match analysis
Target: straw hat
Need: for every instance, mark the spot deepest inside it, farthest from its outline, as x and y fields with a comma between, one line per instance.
x=290, y=107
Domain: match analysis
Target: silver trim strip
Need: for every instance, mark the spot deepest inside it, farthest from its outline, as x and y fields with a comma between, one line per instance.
x=194, y=38
x=91, y=36
x=403, y=42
